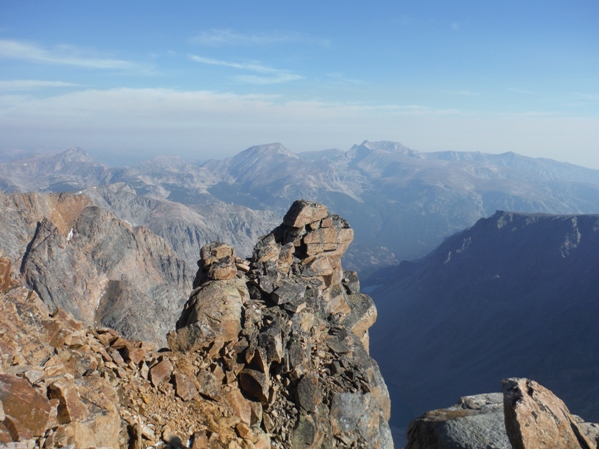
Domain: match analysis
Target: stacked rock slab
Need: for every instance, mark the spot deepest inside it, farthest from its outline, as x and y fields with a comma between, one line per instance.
x=291, y=330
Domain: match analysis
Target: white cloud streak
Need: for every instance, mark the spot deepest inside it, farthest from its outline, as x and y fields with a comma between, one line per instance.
x=26, y=85
x=463, y=93
x=282, y=77
x=59, y=55
x=272, y=75
x=243, y=66
x=227, y=37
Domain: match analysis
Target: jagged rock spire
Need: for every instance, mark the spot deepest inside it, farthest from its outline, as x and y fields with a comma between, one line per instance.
x=291, y=328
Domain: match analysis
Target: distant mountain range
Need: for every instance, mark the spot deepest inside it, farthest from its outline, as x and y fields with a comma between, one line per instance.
x=400, y=200
x=515, y=295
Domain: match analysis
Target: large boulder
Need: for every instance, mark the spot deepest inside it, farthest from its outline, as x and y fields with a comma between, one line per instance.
x=536, y=418
x=525, y=416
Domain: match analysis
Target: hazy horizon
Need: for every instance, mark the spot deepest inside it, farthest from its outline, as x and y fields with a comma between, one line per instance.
x=138, y=79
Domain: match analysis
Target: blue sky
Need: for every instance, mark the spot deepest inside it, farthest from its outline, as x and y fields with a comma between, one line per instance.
x=208, y=79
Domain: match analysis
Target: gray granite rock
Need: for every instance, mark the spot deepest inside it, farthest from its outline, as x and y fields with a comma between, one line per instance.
x=476, y=422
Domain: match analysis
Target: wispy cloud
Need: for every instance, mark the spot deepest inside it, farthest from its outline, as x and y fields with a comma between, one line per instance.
x=274, y=79
x=236, y=65
x=269, y=75
x=60, y=54
x=455, y=26
x=227, y=37
x=464, y=93
x=522, y=91
x=340, y=78
x=22, y=85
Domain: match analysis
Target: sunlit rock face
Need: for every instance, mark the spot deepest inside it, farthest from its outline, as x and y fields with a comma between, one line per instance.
x=268, y=352
x=80, y=258
x=294, y=328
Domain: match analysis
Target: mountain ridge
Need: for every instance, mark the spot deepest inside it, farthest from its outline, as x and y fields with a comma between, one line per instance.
x=402, y=199
x=514, y=295
x=272, y=351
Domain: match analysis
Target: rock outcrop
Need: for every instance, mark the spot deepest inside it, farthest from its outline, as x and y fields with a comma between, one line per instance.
x=270, y=352
x=475, y=422
x=536, y=418
x=292, y=327
x=55, y=386
x=84, y=260
x=526, y=416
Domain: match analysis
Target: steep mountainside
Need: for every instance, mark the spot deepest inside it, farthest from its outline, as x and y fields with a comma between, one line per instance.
x=270, y=352
x=68, y=171
x=515, y=295
x=85, y=260
x=395, y=197
x=186, y=228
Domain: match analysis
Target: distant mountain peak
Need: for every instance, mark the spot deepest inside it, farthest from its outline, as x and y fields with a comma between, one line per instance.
x=75, y=153
x=270, y=148
x=383, y=145
x=391, y=147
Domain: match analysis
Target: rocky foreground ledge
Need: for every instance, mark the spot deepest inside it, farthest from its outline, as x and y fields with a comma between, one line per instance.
x=526, y=416
x=268, y=352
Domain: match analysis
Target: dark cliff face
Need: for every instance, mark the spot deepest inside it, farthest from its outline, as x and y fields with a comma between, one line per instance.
x=86, y=261
x=515, y=295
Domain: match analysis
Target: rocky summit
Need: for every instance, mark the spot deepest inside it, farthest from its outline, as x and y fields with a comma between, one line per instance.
x=268, y=352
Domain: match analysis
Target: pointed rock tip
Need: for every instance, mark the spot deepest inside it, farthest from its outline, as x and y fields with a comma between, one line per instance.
x=302, y=213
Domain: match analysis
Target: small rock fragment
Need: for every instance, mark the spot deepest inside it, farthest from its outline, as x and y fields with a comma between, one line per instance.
x=161, y=372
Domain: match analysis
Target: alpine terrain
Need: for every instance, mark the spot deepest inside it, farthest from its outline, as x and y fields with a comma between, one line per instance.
x=515, y=295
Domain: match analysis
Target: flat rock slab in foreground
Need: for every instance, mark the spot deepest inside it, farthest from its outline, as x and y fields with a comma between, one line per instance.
x=476, y=422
